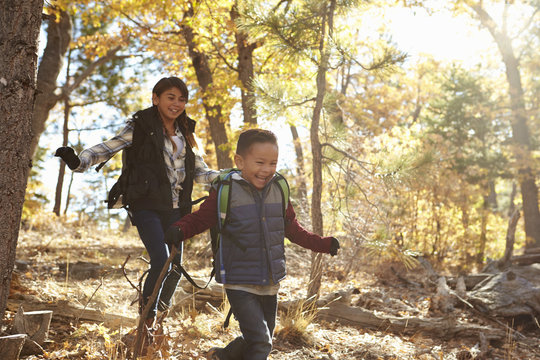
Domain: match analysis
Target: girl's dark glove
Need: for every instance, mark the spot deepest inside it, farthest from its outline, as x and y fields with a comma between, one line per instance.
x=334, y=246
x=68, y=155
x=174, y=236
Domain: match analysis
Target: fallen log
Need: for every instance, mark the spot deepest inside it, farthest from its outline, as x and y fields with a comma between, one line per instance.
x=510, y=294
x=531, y=251
x=11, y=345
x=470, y=280
x=527, y=259
x=443, y=300
x=187, y=293
x=81, y=270
x=35, y=324
x=334, y=307
x=444, y=328
x=66, y=309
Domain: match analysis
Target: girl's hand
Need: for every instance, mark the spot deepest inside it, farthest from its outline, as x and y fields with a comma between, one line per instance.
x=68, y=155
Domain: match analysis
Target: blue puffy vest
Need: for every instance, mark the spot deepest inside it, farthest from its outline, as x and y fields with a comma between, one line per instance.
x=252, y=246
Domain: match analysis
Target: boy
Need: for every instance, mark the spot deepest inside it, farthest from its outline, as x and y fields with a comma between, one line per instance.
x=252, y=252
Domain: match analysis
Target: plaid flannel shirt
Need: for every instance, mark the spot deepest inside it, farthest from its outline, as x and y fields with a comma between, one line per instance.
x=174, y=162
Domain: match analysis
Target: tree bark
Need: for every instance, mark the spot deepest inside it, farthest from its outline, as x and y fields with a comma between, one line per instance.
x=316, y=150
x=301, y=173
x=62, y=170
x=520, y=129
x=213, y=109
x=10, y=346
x=58, y=39
x=18, y=45
x=504, y=262
x=35, y=324
x=483, y=231
x=19, y=34
x=245, y=70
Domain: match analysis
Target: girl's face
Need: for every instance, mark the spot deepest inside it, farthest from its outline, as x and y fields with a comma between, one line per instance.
x=171, y=103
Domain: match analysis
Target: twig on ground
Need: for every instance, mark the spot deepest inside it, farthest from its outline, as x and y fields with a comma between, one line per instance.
x=125, y=275
x=88, y=302
x=138, y=341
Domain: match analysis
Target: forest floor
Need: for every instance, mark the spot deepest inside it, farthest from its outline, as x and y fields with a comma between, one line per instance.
x=44, y=253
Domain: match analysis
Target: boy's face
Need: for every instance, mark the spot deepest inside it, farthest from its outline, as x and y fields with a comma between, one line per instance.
x=258, y=164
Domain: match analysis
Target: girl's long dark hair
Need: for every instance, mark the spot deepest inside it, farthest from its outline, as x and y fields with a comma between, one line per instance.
x=167, y=83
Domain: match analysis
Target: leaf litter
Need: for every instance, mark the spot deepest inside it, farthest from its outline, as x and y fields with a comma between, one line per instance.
x=189, y=332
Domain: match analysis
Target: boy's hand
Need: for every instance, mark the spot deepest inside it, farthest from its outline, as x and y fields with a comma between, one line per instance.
x=68, y=155
x=334, y=246
x=174, y=236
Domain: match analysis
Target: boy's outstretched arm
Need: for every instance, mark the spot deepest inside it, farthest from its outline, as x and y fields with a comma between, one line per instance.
x=194, y=223
x=298, y=235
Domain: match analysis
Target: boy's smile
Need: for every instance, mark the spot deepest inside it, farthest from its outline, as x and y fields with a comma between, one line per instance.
x=259, y=163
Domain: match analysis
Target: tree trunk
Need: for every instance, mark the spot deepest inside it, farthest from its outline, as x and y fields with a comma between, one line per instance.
x=19, y=31
x=504, y=262
x=62, y=170
x=301, y=173
x=484, y=213
x=58, y=39
x=316, y=150
x=512, y=206
x=520, y=128
x=492, y=197
x=213, y=112
x=68, y=195
x=245, y=71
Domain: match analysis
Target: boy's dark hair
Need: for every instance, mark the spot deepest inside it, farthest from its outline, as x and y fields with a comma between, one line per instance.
x=251, y=136
x=165, y=84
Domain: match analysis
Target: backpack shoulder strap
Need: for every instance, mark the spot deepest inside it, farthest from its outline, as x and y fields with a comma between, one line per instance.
x=223, y=186
x=285, y=191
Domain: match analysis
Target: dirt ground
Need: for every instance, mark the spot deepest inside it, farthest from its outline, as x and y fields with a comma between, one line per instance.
x=44, y=253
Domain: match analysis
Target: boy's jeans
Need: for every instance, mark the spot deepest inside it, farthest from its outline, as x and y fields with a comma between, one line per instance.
x=151, y=226
x=256, y=315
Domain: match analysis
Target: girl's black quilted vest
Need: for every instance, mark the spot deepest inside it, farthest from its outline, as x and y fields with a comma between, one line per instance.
x=148, y=186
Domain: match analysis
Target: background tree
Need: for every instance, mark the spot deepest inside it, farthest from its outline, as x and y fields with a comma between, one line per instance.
x=19, y=32
x=190, y=39
x=465, y=121
x=99, y=49
x=101, y=84
x=52, y=60
x=521, y=134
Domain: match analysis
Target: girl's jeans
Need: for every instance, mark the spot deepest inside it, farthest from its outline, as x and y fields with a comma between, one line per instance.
x=256, y=315
x=151, y=225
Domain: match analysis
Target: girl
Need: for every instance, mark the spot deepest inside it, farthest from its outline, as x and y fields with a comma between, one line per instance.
x=157, y=176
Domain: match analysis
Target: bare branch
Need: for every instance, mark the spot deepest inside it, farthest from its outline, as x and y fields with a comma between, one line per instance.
x=353, y=180
x=388, y=59
x=127, y=278
x=230, y=66
x=90, y=299
x=527, y=24
x=347, y=155
x=66, y=90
